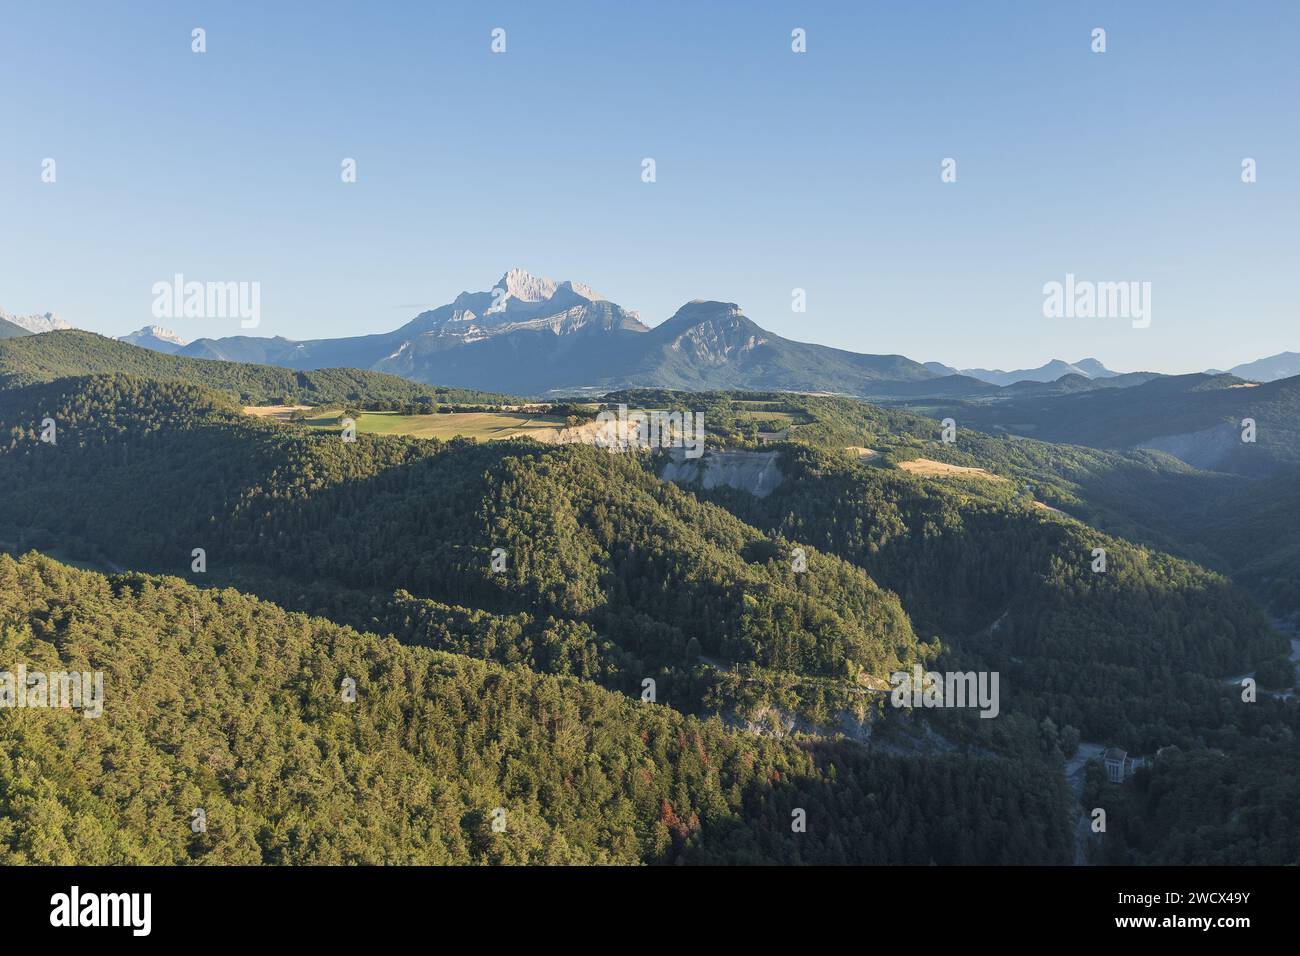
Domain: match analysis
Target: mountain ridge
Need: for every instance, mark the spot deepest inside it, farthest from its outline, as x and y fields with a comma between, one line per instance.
x=1270, y=368
x=532, y=335
x=1050, y=371
x=538, y=335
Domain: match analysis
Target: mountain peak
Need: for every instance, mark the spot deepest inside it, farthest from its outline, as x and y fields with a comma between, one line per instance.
x=158, y=332
x=711, y=333
x=522, y=285
x=697, y=310
x=586, y=291
x=1093, y=368
x=155, y=337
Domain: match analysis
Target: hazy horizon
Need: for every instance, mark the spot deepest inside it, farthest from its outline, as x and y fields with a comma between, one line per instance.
x=775, y=170
x=415, y=309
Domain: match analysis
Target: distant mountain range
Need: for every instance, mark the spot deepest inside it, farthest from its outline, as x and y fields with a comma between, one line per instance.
x=1282, y=365
x=1197, y=418
x=30, y=324
x=1088, y=368
x=530, y=335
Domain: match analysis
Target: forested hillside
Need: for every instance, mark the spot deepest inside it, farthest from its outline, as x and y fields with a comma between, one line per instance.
x=70, y=353
x=1239, y=525
x=1196, y=417
x=1255, y=530
x=572, y=564
x=217, y=701
x=1001, y=579
x=652, y=580
x=1208, y=807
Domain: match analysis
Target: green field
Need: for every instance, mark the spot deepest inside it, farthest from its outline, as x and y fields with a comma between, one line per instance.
x=484, y=426
x=750, y=415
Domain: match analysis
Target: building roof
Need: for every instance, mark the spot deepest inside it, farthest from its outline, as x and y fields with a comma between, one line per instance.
x=1115, y=754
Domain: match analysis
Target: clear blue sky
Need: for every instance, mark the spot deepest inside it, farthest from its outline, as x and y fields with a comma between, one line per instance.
x=775, y=170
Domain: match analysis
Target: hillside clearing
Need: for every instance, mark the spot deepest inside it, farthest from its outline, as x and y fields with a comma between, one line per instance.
x=485, y=426
x=929, y=468
x=274, y=411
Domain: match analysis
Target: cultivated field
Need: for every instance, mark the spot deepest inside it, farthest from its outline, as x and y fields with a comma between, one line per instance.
x=483, y=426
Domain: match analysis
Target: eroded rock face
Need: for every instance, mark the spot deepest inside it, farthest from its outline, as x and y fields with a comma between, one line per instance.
x=753, y=471
x=1208, y=448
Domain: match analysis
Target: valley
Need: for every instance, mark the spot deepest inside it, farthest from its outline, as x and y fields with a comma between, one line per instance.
x=764, y=586
x=649, y=439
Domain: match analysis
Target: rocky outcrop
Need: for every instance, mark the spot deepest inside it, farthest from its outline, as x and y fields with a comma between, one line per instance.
x=753, y=471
